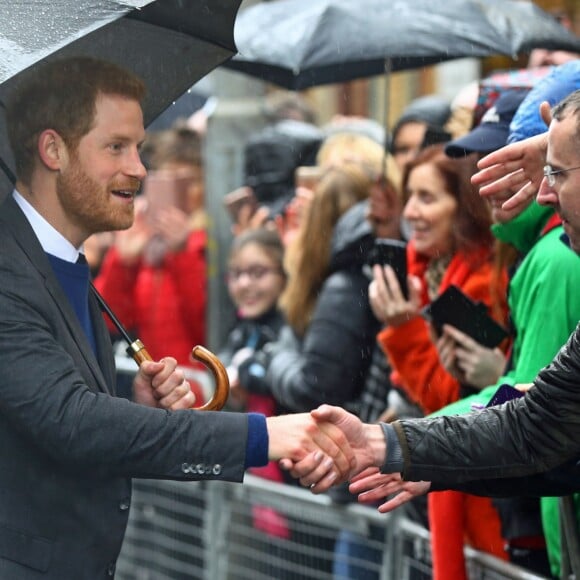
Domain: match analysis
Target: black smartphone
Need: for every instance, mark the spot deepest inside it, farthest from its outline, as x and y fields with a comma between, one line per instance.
x=453, y=307
x=393, y=253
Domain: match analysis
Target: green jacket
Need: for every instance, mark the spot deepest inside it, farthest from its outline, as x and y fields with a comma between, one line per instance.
x=544, y=306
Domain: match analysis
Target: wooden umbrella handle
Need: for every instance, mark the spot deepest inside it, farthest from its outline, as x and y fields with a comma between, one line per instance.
x=139, y=353
x=222, y=383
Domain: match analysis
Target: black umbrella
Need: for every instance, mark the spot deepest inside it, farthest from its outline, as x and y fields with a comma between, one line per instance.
x=304, y=43
x=169, y=43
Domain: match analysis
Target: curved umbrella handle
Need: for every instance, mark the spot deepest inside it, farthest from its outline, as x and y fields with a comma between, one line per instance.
x=222, y=383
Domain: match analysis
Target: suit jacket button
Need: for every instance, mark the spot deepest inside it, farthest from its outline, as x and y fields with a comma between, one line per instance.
x=124, y=504
x=111, y=569
x=186, y=467
x=217, y=469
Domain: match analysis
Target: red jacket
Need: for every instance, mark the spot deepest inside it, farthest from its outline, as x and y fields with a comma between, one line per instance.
x=409, y=347
x=165, y=305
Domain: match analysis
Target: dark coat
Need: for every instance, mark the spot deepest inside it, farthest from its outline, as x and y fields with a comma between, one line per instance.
x=530, y=435
x=69, y=446
x=330, y=363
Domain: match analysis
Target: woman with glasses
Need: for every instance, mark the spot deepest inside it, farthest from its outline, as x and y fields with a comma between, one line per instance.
x=255, y=280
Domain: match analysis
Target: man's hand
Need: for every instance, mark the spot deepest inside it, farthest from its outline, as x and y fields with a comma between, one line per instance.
x=312, y=454
x=366, y=442
x=511, y=176
x=161, y=384
x=373, y=486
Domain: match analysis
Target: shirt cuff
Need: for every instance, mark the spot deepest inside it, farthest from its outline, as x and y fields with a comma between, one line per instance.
x=394, y=456
x=258, y=442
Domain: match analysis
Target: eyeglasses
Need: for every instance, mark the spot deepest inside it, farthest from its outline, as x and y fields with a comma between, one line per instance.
x=550, y=174
x=253, y=273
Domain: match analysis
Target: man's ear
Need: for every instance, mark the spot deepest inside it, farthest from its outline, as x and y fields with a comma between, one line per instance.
x=546, y=112
x=52, y=150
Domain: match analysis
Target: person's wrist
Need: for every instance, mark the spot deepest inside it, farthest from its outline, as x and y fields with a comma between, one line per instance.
x=376, y=444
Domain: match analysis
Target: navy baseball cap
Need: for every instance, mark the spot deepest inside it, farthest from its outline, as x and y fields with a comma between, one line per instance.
x=493, y=131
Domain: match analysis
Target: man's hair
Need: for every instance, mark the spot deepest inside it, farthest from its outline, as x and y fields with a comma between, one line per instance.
x=61, y=95
x=570, y=105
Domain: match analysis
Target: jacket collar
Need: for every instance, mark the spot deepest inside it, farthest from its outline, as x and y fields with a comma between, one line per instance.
x=13, y=219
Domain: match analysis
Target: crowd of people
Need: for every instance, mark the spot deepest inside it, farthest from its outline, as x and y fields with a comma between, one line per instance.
x=322, y=318
x=383, y=349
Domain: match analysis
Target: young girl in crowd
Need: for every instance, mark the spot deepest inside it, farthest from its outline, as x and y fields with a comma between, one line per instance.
x=255, y=281
x=450, y=245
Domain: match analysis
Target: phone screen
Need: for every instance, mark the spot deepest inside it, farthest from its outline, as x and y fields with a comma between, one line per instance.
x=164, y=189
x=392, y=253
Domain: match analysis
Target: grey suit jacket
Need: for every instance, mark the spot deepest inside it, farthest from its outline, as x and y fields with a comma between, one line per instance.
x=68, y=447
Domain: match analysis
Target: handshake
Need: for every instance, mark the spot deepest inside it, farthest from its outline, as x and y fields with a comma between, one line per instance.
x=329, y=446
x=326, y=447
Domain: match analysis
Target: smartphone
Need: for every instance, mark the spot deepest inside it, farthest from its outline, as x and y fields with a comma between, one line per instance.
x=504, y=394
x=239, y=198
x=164, y=189
x=393, y=253
x=453, y=307
x=307, y=176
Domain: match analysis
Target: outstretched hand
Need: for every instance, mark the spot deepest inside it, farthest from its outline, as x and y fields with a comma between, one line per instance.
x=366, y=443
x=373, y=486
x=319, y=457
x=511, y=176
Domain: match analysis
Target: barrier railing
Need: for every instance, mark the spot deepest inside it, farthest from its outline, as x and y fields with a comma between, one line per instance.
x=263, y=530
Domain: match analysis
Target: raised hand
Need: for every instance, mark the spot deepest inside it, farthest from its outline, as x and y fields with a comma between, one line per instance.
x=161, y=384
x=173, y=225
x=373, y=486
x=387, y=300
x=510, y=177
x=131, y=243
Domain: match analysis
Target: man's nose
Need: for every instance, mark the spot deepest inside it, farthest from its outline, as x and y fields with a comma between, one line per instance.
x=135, y=167
x=546, y=194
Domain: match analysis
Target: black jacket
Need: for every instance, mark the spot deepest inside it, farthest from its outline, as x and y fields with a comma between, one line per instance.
x=69, y=447
x=330, y=363
x=532, y=435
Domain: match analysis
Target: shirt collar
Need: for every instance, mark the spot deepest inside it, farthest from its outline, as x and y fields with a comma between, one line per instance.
x=51, y=240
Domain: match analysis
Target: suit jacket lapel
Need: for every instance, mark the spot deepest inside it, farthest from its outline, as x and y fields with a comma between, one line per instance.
x=16, y=222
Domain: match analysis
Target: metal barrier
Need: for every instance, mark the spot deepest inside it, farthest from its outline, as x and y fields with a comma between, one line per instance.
x=263, y=530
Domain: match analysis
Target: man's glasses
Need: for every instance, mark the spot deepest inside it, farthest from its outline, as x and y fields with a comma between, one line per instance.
x=550, y=174
x=253, y=273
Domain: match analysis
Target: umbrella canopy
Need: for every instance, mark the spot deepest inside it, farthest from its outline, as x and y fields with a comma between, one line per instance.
x=303, y=43
x=169, y=43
